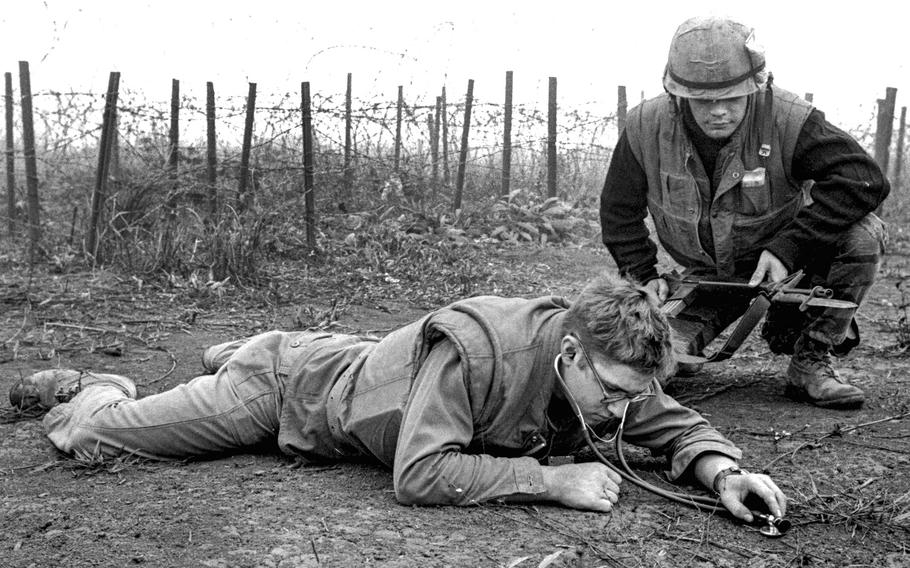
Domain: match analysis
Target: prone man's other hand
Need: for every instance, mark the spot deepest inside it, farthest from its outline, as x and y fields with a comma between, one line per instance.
x=591, y=486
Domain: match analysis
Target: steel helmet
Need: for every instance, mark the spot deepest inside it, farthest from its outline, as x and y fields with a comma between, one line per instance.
x=714, y=58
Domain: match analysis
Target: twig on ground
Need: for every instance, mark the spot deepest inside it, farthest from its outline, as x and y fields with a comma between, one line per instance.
x=38, y=467
x=10, y=415
x=749, y=553
x=688, y=400
x=854, y=507
x=171, y=370
x=560, y=529
x=706, y=531
x=18, y=331
x=876, y=447
x=80, y=327
x=316, y=554
x=100, y=348
x=838, y=431
x=801, y=552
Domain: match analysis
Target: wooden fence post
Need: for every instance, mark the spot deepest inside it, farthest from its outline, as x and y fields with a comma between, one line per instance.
x=308, y=168
x=115, y=149
x=445, y=138
x=884, y=128
x=622, y=105
x=463, y=156
x=899, y=150
x=31, y=165
x=507, y=140
x=433, y=119
x=174, y=135
x=211, y=151
x=347, y=172
x=104, y=148
x=242, y=197
x=10, y=159
x=398, y=128
x=551, y=139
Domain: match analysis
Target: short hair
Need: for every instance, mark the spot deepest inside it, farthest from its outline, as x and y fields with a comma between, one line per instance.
x=621, y=321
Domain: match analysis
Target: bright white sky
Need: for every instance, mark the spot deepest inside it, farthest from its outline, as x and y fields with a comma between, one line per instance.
x=845, y=55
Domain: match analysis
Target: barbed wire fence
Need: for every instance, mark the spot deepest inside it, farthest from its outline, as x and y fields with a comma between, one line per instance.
x=68, y=135
x=365, y=152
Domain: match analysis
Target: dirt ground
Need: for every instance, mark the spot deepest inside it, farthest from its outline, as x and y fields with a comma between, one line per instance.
x=846, y=472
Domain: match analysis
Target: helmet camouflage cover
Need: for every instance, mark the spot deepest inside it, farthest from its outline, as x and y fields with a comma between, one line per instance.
x=714, y=58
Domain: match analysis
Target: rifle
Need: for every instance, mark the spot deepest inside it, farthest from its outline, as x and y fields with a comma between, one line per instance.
x=784, y=291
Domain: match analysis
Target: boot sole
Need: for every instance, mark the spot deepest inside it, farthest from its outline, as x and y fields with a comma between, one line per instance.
x=800, y=394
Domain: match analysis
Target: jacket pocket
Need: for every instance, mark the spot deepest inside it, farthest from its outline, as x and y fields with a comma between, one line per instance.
x=754, y=195
x=679, y=194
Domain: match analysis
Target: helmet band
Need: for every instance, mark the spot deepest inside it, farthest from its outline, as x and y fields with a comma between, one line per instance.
x=721, y=85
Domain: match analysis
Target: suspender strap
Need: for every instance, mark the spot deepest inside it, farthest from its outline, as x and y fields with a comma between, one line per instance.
x=756, y=311
x=747, y=323
x=767, y=120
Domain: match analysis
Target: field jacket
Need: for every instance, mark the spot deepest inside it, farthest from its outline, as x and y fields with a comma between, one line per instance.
x=754, y=198
x=460, y=403
x=815, y=184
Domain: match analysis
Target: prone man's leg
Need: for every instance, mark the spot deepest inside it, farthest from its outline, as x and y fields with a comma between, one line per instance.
x=237, y=407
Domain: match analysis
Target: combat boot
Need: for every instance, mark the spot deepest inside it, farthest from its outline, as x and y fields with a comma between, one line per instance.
x=45, y=389
x=811, y=378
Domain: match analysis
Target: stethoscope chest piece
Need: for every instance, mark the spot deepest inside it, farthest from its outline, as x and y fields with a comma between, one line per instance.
x=772, y=527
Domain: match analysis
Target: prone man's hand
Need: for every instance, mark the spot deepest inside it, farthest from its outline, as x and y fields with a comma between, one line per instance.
x=591, y=485
x=734, y=489
x=768, y=269
x=658, y=287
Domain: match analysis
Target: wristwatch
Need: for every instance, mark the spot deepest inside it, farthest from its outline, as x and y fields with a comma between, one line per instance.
x=723, y=474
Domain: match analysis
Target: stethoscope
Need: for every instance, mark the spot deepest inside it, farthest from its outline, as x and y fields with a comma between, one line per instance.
x=771, y=526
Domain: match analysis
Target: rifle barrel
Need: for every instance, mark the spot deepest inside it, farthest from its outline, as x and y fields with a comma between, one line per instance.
x=722, y=284
x=825, y=292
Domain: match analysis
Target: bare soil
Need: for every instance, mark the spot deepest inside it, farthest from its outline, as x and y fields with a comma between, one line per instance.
x=846, y=472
